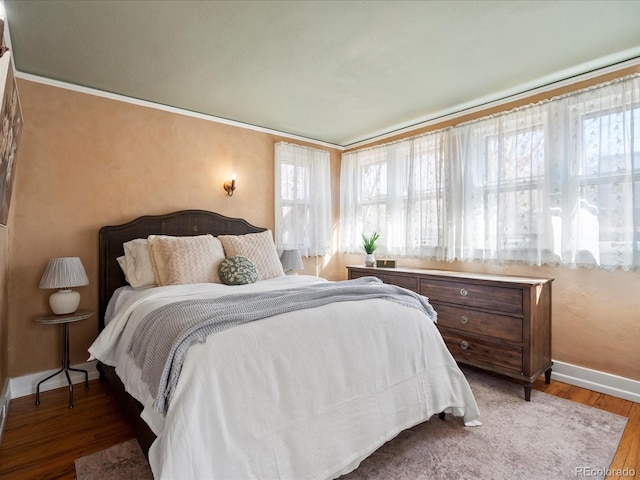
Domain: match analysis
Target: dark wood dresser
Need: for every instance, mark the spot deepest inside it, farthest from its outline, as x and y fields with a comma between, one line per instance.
x=497, y=323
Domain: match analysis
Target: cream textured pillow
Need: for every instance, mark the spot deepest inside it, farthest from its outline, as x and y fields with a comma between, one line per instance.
x=157, y=260
x=257, y=247
x=183, y=260
x=138, y=267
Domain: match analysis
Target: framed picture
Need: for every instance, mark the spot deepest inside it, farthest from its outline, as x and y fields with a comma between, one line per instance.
x=11, y=128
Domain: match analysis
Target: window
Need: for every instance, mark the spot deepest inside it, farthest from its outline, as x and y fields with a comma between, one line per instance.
x=608, y=173
x=363, y=190
x=427, y=210
x=302, y=199
x=557, y=182
x=513, y=187
x=397, y=191
x=372, y=193
x=503, y=198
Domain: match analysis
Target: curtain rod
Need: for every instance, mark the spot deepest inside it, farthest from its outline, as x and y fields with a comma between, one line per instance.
x=506, y=112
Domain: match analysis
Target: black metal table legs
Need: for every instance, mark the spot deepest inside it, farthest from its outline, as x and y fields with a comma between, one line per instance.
x=65, y=368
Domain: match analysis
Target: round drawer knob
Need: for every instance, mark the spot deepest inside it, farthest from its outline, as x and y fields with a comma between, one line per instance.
x=464, y=319
x=463, y=292
x=464, y=344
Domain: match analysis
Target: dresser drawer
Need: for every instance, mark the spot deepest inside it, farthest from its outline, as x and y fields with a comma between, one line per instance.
x=353, y=274
x=487, y=297
x=408, y=282
x=472, y=350
x=498, y=323
x=479, y=322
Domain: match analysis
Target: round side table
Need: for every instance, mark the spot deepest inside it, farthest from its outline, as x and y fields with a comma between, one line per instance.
x=65, y=320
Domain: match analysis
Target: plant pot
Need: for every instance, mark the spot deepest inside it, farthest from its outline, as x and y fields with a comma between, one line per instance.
x=369, y=260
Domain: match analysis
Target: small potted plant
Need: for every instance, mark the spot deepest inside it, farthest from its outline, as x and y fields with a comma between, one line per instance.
x=369, y=245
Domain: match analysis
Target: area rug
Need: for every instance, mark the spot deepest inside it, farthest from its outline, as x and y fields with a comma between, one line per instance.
x=124, y=461
x=548, y=437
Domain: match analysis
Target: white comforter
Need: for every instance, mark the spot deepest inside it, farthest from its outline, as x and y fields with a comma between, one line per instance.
x=307, y=394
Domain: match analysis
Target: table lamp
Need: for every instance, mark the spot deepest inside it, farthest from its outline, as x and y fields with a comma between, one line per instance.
x=64, y=273
x=291, y=261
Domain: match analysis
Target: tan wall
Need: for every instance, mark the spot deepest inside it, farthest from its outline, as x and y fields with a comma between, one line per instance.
x=86, y=162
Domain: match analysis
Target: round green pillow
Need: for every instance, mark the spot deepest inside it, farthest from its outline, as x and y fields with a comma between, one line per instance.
x=237, y=270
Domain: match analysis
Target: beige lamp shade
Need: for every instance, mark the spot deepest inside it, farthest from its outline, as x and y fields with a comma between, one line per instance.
x=64, y=273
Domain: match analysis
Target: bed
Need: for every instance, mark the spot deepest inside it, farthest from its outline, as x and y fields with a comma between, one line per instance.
x=300, y=393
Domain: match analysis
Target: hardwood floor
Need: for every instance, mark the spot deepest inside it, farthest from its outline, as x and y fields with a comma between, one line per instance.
x=43, y=441
x=626, y=458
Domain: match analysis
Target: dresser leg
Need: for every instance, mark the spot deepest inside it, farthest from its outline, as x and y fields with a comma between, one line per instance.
x=527, y=391
x=547, y=377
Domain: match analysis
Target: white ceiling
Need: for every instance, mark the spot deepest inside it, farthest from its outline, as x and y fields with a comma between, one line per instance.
x=335, y=71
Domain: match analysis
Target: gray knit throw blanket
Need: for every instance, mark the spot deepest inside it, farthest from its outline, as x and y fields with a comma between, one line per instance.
x=162, y=338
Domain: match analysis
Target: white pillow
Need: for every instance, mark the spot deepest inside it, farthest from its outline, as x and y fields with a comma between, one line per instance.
x=257, y=247
x=123, y=265
x=139, y=269
x=184, y=260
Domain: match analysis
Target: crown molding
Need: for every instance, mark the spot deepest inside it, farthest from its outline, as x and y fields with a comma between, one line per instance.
x=580, y=73
x=587, y=71
x=166, y=108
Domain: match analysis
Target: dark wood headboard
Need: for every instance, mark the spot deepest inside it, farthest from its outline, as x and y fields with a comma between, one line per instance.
x=182, y=223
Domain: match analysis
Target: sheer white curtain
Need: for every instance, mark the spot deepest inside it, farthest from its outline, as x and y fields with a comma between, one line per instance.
x=504, y=194
x=302, y=199
x=396, y=190
x=552, y=183
x=427, y=212
x=601, y=177
x=364, y=194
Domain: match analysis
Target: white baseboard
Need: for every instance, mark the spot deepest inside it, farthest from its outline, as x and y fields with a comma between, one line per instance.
x=26, y=385
x=4, y=407
x=601, y=382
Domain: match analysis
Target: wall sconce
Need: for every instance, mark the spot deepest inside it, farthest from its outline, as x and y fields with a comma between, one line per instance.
x=230, y=186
